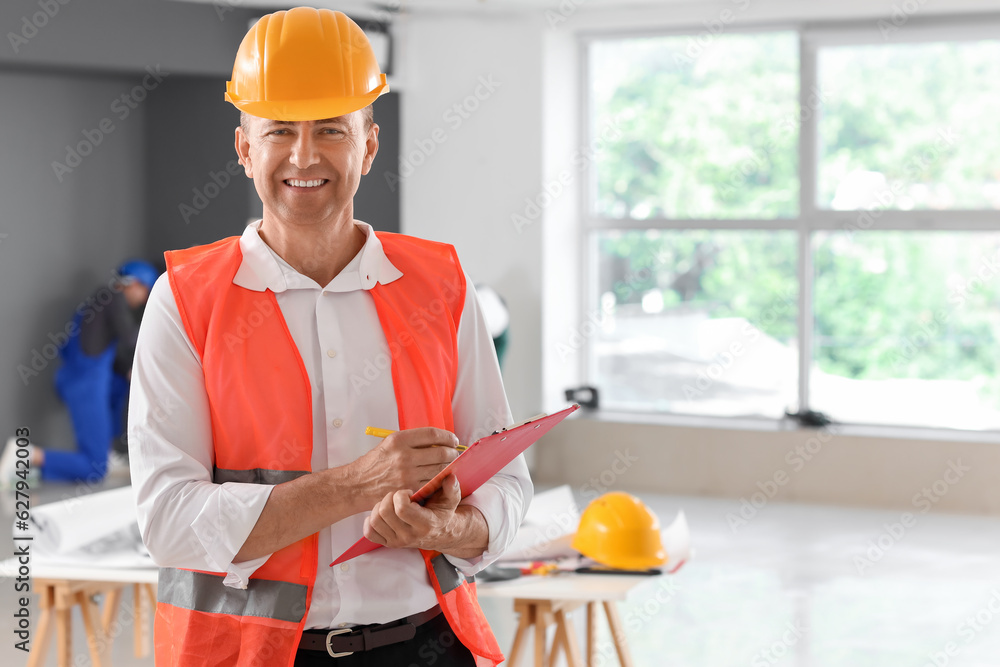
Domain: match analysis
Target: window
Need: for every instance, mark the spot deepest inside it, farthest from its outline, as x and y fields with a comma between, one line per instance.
x=796, y=219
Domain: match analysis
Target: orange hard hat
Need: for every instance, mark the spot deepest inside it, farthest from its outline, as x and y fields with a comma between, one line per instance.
x=305, y=64
x=619, y=531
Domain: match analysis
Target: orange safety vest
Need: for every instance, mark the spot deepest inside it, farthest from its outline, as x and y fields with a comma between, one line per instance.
x=261, y=413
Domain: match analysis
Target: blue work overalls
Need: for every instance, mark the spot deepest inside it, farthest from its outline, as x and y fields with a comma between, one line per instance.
x=95, y=396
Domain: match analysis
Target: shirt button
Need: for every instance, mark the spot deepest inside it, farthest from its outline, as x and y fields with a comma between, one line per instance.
x=338, y=422
x=344, y=567
x=331, y=353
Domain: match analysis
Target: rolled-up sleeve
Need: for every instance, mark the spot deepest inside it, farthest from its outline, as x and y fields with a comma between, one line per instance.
x=186, y=520
x=480, y=407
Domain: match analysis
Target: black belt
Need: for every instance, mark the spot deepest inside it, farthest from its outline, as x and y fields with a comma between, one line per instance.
x=343, y=642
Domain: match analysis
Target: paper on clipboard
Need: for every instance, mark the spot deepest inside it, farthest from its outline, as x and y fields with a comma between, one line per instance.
x=473, y=467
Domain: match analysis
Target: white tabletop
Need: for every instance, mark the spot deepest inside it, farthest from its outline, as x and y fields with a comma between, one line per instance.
x=138, y=575
x=567, y=586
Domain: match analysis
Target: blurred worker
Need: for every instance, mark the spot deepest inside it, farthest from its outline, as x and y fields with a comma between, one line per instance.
x=262, y=359
x=93, y=380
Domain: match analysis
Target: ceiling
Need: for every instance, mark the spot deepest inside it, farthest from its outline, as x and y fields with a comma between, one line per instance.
x=367, y=9
x=690, y=11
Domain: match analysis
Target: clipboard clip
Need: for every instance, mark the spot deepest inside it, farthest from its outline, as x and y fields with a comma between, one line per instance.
x=526, y=421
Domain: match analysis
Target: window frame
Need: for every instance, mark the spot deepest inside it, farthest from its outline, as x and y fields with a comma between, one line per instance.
x=812, y=36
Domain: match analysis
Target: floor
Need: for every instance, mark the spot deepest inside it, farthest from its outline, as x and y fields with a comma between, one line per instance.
x=795, y=585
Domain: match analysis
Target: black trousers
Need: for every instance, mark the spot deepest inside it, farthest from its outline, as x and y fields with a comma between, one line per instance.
x=434, y=645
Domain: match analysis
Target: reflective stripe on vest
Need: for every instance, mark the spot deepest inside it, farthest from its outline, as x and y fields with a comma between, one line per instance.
x=447, y=574
x=256, y=476
x=263, y=598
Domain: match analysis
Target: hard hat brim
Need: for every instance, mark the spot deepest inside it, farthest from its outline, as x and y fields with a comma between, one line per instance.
x=299, y=110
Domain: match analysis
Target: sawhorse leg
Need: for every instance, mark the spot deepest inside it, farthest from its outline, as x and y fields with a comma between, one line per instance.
x=40, y=646
x=540, y=614
x=57, y=597
x=617, y=634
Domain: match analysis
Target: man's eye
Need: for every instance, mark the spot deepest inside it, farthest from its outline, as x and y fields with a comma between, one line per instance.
x=331, y=130
x=279, y=132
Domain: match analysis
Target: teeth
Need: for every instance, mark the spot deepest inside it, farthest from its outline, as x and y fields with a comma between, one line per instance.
x=305, y=184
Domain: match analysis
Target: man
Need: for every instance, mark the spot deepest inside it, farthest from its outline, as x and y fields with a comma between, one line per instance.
x=260, y=362
x=93, y=381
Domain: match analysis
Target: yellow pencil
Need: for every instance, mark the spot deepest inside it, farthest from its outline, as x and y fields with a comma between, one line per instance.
x=384, y=433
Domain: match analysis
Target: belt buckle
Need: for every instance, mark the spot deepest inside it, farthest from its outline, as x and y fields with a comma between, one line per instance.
x=330, y=634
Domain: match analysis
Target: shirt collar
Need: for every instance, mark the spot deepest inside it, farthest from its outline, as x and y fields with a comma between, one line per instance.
x=262, y=268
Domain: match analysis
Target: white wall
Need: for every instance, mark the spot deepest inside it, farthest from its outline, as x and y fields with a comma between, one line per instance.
x=522, y=138
x=474, y=172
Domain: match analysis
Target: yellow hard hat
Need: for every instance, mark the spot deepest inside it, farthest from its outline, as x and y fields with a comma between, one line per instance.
x=619, y=531
x=305, y=64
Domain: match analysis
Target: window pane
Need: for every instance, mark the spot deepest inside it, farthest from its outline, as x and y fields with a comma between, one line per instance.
x=910, y=126
x=695, y=322
x=684, y=129
x=906, y=328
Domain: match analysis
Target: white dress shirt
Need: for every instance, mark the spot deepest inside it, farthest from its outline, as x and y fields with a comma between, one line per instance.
x=188, y=521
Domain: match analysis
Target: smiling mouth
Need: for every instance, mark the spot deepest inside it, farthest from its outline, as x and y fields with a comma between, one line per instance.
x=296, y=183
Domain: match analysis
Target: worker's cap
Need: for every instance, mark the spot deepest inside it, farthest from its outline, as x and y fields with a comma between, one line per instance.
x=141, y=270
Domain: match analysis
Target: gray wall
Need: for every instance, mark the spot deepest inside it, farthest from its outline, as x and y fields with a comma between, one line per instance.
x=62, y=239
x=124, y=35
x=377, y=203
x=196, y=191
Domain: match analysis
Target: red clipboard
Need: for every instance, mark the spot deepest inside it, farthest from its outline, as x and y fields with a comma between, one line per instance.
x=473, y=467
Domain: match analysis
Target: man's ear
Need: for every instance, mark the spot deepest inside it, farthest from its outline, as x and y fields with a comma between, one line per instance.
x=371, y=149
x=243, y=151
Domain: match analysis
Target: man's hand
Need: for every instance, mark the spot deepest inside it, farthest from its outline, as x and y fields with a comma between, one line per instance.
x=440, y=525
x=404, y=460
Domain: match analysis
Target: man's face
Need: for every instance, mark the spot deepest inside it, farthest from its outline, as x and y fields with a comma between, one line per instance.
x=307, y=172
